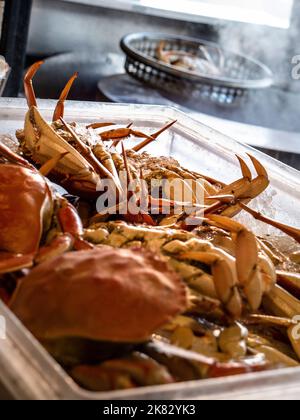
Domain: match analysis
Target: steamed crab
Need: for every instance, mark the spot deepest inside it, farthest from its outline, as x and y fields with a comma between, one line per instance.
x=90, y=154
x=228, y=271
x=149, y=327
x=86, y=159
x=110, y=300
x=35, y=222
x=81, y=157
x=223, y=263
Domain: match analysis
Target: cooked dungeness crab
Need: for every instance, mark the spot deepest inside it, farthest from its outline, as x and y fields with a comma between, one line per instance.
x=222, y=274
x=90, y=306
x=35, y=223
x=104, y=294
x=159, y=298
x=90, y=154
x=86, y=160
x=230, y=272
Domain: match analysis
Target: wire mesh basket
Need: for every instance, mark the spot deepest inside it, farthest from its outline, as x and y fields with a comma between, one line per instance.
x=238, y=73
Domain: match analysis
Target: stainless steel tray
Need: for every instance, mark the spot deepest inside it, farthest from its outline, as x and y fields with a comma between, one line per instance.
x=26, y=369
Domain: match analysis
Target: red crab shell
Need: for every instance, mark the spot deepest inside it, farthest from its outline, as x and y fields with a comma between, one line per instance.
x=25, y=205
x=105, y=294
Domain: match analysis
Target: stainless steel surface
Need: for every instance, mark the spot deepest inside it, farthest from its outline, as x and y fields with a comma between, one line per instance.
x=29, y=372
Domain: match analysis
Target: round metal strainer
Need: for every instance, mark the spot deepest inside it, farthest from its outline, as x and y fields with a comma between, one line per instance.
x=237, y=73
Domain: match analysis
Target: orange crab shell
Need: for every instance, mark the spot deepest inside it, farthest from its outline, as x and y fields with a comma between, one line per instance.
x=25, y=204
x=104, y=294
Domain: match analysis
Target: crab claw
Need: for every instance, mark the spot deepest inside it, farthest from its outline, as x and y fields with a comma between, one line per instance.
x=71, y=225
x=246, y=188
x=10, y=263
x=224, y=276
x=142, y=217
x=94, y=126
x=290, y=282
x=88, y=154
x=60, y=107
x=51, y=164
x=247, y=259
x=260, y=183
x=289, y=230
x=281, y=303
x=28, y=87
x=12, y=157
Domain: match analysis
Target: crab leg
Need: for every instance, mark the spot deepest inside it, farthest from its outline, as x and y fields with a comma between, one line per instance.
x=209, y=179
x=290, y=282
x=122, y=373
x=116, y=142
x=281, y=303
x=28, y=87
x=94, y=126
x=10, y=263
x=257, y=185
x=59, y=245
x=238, y=187
x=160, y=204
x=165, y=204
x=71, y=238
x=289, y=230
x=248, y=261
x=129, y=175
x=71, y=224
x=153, y=137
x=60, y=107
x=209, y=367
x=142, y=217
x=121, y=133
x=224, y=276
x=270, y=320
x=48, y=167
x=91, y=158
x=226, y=198
x=224, y=206
x=245, y=189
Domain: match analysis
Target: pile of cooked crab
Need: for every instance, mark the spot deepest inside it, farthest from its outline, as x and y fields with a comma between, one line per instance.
x=129, y=300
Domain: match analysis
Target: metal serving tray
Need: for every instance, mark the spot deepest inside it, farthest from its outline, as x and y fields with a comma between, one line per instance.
x=27, y=370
